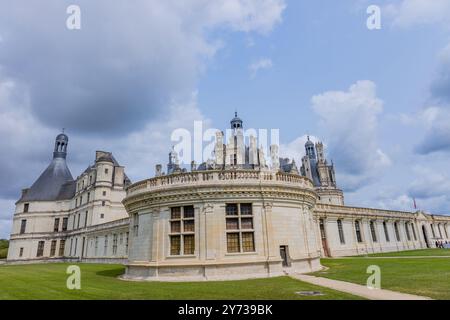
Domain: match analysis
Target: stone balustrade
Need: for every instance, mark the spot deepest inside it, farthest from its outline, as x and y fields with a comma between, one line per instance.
x=219, y=177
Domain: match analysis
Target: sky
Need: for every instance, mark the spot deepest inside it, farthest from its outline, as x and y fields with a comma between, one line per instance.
x=136, y=71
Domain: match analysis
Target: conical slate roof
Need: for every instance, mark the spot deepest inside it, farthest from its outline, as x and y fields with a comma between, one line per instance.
x=55, y=183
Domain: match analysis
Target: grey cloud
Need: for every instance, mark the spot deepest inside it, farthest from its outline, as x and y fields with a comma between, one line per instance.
x=128, y=61
x=437, y=136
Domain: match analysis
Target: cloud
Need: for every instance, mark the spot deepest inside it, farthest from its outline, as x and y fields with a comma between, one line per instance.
x=431, y=189
x=128, y=61
x=349, y=120
x=261, y=64
x=409, y=13
x=436, y=118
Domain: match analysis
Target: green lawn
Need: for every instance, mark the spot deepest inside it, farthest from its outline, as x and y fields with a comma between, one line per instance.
x=48, y=281
x=428, y=277
x=415, y=253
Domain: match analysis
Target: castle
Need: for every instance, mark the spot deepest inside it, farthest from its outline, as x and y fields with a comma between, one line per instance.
x=234, y=216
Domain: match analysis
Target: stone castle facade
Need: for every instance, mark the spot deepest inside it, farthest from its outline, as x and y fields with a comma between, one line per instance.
x=234, y=216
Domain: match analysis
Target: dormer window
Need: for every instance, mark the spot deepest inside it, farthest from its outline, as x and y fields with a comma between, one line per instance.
x=26, y=207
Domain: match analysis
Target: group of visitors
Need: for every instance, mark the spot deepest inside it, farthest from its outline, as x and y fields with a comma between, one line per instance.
x=442, y=244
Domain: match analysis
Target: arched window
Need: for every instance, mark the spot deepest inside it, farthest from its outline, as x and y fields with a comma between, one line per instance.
x=358, y=231
x=386, y=234
x=372, y=231
x=408, y=236
x=414, y=231
x=397, y=234
x=341, y=231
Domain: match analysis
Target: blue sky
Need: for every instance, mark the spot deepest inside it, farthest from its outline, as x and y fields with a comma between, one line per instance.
x=378, y=99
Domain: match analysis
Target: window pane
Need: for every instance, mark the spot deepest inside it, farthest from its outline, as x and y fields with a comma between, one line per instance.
x=189, y=244
x=248, y=243
x=175, y=213
x=232, y=224
x=233, y=242
x=175, y=245
x=246, y=209
x=247, y=223
x=175, y=226
x=189, y=226
x=189, y=211
x=231, y=209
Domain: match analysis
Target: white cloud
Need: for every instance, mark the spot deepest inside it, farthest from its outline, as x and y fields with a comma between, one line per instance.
x=260, y=64
x=349, y=120
x=408, y=13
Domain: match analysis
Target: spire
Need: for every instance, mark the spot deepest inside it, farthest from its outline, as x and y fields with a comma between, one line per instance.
x=56, y=182
x=61, y=142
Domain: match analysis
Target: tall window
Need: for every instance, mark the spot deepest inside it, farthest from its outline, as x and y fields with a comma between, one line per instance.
x=372, y=231
x=21, y=252
x=386, y=233
x=53, y=248
x=105, y=248
x=240, y=229
x=408, y=236
x=23, y=226
x=126, y=242
x=78, y=221
x=446, y=232
x=341, y=231
x=64, y=224
x=136, y=224
x=96, y=245
x=397, y=234
x=182, y=230
x=413, y=231
x=56, y=225
x=40, y=249
x=114, y=244
x=440, y=231
x=358, y=231
x=62, y=244
x=26, y=207
x=432, y=230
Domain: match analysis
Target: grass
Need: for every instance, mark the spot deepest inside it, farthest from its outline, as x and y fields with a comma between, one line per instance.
x=428, y=277
x=48, y=281
x=414, y=253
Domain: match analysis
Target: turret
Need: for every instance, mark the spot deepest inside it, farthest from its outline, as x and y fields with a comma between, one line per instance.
x=61, y=142
x=236, y=122
x=310, y=152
